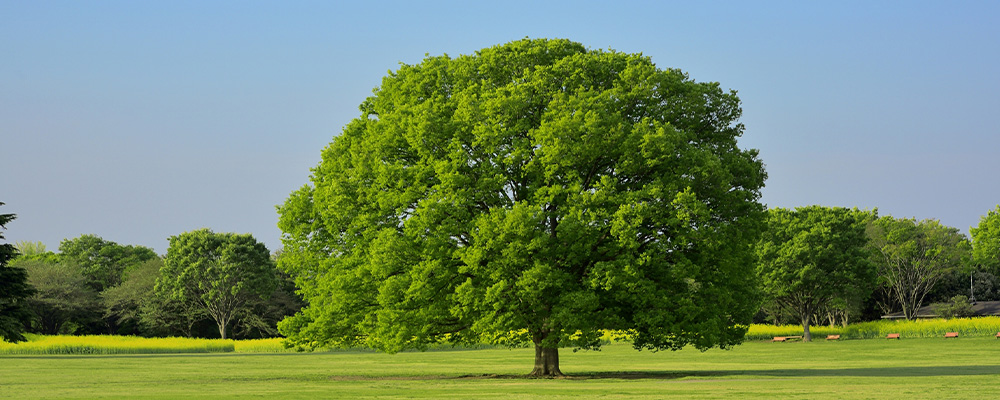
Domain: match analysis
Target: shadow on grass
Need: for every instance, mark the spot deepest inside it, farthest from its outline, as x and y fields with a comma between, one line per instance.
x=962, y=370
x=713, y=375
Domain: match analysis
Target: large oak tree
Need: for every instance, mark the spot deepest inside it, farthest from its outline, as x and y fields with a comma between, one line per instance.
x=533, y=192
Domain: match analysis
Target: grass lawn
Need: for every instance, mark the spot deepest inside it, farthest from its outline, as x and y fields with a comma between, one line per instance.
x=965, y=368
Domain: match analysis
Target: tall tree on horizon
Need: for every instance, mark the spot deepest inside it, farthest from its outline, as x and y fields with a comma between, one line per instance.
x=14, y=290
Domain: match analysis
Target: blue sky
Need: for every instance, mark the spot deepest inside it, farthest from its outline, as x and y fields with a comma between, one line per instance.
x=136, y=121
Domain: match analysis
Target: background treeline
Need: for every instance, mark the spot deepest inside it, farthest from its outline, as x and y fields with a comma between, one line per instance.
x=96, y=286
x=834, y=266
x=816, y=265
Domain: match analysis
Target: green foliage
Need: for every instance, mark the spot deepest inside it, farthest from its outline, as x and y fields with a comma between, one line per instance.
x=14, y=290
x=985, y=286
x=912, y=257
x=222, y=273
x=958, y=307
x=126, y=302
x=63, y=299
x=29, y=249
x=986, y=240
x=815, y=258
x=103, y=262
x=531, y=192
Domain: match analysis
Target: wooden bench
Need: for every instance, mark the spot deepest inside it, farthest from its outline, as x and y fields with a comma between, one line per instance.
x=892, y=336
x=951, y=335
x=998, y=335
x=832, y=337
x=785, y=338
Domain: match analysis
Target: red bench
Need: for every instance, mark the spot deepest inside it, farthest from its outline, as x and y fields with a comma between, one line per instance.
x=785, y=338
x=951, y=335
x=892, y=336
x=833, y=337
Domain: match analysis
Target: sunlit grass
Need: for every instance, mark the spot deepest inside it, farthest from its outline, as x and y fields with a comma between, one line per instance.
x=922, y=368
x=270, y=345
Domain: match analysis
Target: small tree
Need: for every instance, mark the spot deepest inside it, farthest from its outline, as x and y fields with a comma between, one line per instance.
x=222, y=273
x=958, y=307
x=815, y=258
x=14, y=290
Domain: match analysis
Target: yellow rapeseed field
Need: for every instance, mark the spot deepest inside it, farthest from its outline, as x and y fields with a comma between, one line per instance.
x=101, y=344
x=921, y=328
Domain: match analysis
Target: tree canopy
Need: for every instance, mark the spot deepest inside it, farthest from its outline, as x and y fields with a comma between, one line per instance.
x=220, y=272
x=14, y=290
x=103, y=262
x=532, y=192
x=913, y=256
x=64, y=301
x=811, y=257
x=986, y=240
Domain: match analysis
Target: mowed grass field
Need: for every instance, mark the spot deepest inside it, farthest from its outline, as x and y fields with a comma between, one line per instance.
x=924, y=368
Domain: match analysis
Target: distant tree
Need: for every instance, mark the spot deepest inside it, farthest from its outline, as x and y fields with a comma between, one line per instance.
x=223, y=273
x=262, y=317
x=126, y=302
x=813, y=257
x=62, y=297
x=103, y=262
x=14, y=290
x=986, y=241
x=977, y=284
x=536, y=193
x=164, y=315
x=29, y=249
x=913, y=257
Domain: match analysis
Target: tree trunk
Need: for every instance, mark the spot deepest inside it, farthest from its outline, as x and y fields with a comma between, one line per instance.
x=222, y=329
x=806, y=336
x=546, y=362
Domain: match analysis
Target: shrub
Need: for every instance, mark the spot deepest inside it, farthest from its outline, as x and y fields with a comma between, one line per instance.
x=958, y=307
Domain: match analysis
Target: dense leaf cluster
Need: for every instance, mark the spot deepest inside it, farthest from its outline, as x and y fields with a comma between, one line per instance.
x=536, y=192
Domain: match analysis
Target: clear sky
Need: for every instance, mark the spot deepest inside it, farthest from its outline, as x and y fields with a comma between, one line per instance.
x=140, y=120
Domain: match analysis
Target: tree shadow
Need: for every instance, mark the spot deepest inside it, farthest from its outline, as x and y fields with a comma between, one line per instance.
x=926, y=371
